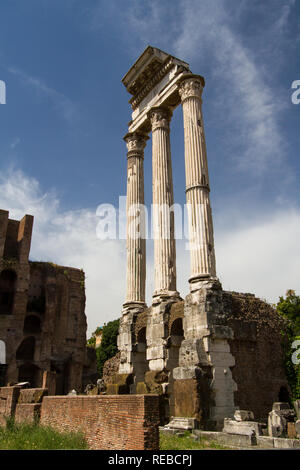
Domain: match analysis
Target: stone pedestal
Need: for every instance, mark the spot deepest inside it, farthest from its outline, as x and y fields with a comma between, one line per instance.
x=205, y=360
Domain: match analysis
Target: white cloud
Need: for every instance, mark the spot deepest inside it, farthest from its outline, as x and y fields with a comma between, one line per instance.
x=261, y=256
x=244, y=94
x=69, y=238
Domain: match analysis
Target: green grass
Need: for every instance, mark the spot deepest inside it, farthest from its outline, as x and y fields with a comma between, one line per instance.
x=173, y=442
x=35, y=437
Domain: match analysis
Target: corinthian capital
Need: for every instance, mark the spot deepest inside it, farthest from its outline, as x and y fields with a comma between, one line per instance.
x=136, y=142
x=191, y=87
x=160, y=117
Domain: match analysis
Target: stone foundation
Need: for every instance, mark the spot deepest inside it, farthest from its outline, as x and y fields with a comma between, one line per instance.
x=207, y=356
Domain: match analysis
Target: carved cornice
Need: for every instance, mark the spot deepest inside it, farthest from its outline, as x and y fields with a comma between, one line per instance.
x=156, y=78
x=136, y=142
x=191, y=87
x=160, y=118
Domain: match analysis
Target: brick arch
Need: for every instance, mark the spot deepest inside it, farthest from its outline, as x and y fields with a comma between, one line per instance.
x=25, y=351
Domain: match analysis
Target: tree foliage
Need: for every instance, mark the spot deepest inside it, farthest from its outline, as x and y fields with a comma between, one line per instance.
x=108, y=347
x=289, y=308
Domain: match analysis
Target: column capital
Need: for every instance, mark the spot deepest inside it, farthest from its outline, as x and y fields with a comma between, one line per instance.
x=191, y=86
x=160, y=117
x=136, y=142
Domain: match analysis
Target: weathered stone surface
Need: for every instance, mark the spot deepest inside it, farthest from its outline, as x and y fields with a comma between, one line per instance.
x=280, y=443
x=280, y=406
x=277, y=424
x=297, y=408
x=243, y=415
x=227, y=440
x=297, y=428
x=33, y=395
x=28, y=413
x=242, y=427
x=182, y=423
x=265, y=442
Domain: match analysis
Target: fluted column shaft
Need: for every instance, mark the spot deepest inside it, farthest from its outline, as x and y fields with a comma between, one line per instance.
x=163, y=199
x=197, y=181
x=135, y=233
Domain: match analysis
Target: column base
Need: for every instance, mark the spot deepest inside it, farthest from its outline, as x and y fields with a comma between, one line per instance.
x=162, y=296
x=199, y=281
x=129, y=306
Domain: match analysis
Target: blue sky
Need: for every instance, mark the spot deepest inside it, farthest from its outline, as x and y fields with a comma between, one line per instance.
x=61, y=147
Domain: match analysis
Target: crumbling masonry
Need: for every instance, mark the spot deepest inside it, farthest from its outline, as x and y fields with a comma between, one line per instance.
x=42, y=319
x=215, y=351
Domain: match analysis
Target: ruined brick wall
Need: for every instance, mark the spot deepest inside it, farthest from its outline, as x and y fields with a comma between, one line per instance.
x=115, y=422
x=111, y=367
x=8, y=401
x=259, y=368
x=42, y=318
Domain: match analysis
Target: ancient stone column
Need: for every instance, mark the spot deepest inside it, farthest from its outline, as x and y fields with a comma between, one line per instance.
x=197, y=182
x=136, y=243
x=163, y=218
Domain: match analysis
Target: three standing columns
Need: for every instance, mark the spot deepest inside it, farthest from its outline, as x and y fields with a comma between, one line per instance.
x=201, y=239
x=135, y=213
x=163, y=200
x=197, y=182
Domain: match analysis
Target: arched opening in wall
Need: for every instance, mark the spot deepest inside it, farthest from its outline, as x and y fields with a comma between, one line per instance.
x=7, y=291
x=283, y=395
x=25, y=351
x=176, y=338
x=139, y=358
x=32, y=325
x=29, y=372
x=3, y=365
x=37, y=303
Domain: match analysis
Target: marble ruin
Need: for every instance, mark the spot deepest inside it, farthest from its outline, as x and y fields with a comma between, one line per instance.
x=192, y=352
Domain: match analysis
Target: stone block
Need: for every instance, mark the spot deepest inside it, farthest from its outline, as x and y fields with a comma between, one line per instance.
x=297, y=428
x=243, y=415
x=183, y=373
x=28, y=412
x=228, y=440
x=277, y=424
x=281, y=443
x=248, y=428
x=265, y=442
x=32, y=395
x=182, y=423
x=297, y=408
x=278, y=406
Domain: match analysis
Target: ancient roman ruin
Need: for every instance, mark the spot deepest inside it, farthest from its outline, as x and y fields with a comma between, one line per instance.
x=202, y=353
x=211, y=363
x=42, y=315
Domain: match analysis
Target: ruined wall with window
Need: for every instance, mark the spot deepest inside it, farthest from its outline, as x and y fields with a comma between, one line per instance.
x=42, y=319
